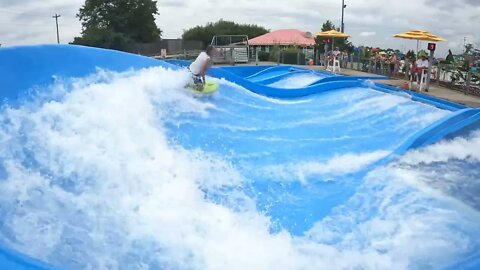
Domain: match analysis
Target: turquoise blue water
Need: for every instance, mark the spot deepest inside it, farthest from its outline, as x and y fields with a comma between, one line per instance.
x=132, y=170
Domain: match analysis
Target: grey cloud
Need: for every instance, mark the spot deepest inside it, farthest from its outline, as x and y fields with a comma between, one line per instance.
x=448, y=4
x=451, y=19
x=170, y=3
x=473, y=2
x=27, y=22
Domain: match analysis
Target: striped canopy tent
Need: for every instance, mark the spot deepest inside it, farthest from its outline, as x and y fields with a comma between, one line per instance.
x=284, y=37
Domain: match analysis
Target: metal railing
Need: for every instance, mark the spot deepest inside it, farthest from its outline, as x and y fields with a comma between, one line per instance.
x=233, y=49
x=441, y=73
x=231, y=54
x=182, y=55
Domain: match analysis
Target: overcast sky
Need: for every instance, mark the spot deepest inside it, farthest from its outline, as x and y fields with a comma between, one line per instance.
x=369, y=22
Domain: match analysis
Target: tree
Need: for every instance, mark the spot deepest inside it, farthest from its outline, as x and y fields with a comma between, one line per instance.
x=365, y=53
x=206, y=33
x=468, y=49
x=116, y=23
x=328, y=25
x=411, y=55
x=342, y=43
x=449, y=59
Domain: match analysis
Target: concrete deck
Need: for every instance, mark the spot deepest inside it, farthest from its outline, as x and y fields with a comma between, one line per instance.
x=437, y=91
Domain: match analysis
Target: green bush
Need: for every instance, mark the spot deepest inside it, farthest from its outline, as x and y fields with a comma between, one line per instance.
x=411, y=55
x=293, y=58
x=291, y=49
x=263, y=56
x=274, y=53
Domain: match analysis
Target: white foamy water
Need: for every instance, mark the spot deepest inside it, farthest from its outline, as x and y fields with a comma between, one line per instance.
x=338, y=165
x=91, y=181
x=367, y=103
x=296, y=81
x=420, y=212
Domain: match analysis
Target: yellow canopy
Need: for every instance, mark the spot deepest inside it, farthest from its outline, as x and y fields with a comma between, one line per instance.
x=332, y=34
x=424, y=36
x=419, y=35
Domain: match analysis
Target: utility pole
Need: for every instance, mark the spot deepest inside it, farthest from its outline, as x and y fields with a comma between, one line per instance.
x=343, y=11
x=56, y=22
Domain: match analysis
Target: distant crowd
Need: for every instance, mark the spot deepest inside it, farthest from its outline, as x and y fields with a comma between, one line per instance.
x=390, y=61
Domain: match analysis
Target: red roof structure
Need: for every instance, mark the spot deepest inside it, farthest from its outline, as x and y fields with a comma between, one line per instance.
x=284, y=37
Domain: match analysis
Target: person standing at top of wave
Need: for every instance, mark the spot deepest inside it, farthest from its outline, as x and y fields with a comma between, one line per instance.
x=200, y=66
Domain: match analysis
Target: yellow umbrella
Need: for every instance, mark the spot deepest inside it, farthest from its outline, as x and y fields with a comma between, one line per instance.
x=332, y=34
x=419, y=35
x=425, y=36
